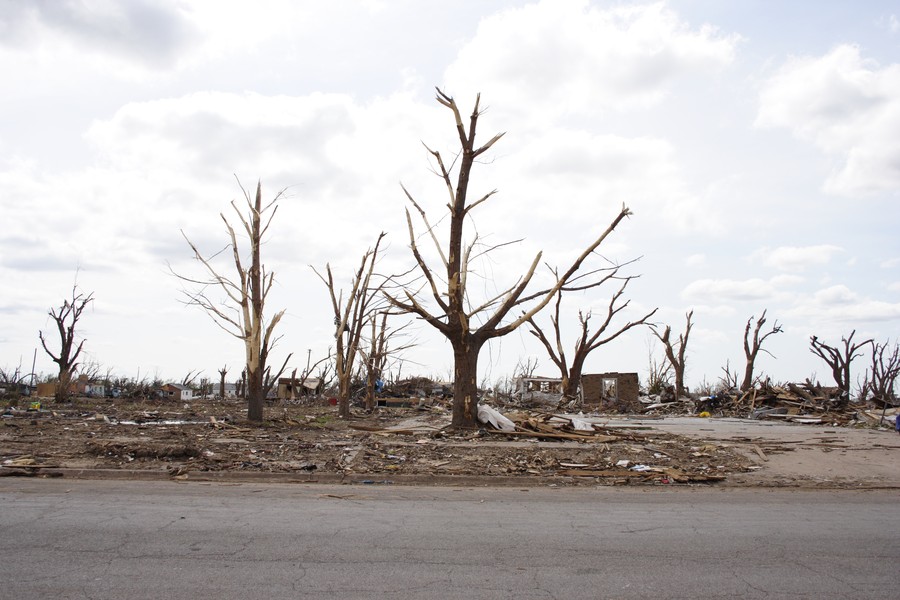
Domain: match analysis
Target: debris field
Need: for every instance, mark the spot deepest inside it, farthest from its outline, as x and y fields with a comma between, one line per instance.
x=204, y=437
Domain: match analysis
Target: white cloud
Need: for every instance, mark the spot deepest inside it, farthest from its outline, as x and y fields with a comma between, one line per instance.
x=796, y=258
x=695, y=260
x=729, y=289
x=702, y=336
x=582, y=172
x=567, y=56
x=782, y=281
x=221, y=133
x=149, y=33
x=835, y=295
x=718, y=310
x=890, y=263
x=838, y=303
x=848, y=107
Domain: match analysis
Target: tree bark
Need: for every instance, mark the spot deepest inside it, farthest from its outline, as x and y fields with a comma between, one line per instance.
x=222, y=372
x=344, y=396
x=255, y=395
x=572, y=381
x=465, y=384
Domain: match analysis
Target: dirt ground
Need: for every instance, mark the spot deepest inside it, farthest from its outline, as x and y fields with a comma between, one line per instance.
x=207, y=438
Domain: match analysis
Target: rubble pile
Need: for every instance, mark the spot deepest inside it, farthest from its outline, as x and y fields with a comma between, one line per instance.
x=625, y=454
x=807, y=402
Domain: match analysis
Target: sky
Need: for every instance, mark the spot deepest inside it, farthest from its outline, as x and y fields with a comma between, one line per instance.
x=755, y=142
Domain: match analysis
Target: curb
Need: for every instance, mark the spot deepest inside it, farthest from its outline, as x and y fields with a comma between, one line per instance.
x=531, y=481
x=308, y=478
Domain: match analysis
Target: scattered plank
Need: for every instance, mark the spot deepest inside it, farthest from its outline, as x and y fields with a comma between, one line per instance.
x=760, y=452
x=558, y=435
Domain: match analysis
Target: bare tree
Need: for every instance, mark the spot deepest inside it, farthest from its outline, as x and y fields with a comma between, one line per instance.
x=457, y=318
x=241, y=312
x=588, y=340
x=90, y=369
x=350, y=317
x=222, y=373
x=881, y=380
x=189, y=379
x=675, y=351
x=754, y=345
x=242, y=384
x=659, y=372
x=11, y=379
x=526, y=368
x=729, y=378
x=376, y=357
x=66, y=318
x=839, y=359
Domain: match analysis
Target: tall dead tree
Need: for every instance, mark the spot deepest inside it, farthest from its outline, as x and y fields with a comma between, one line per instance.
x=350, y=317
x=675, y=351
x=66, y=318
x=838, y=359
x=753, y=345
x=465, y=324
x=881, y=380
x=588, y=339
x=240, y=310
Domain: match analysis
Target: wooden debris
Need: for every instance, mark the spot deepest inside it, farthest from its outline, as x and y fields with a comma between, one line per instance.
x=605, y=473
x=388, y=431
x=557, y=435
x=760, y=452
x=806, y=403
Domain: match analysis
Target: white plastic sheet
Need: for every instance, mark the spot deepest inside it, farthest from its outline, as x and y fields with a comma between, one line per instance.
x=486, y=414
x=582, y=425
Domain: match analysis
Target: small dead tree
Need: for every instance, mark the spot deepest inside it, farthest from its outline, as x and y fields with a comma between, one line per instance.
x=242, y=385
x=729, y=378
x=222, y=373
x=90, y=370
x=839, y=359
x=881, y=380
x=526, y=368
x=350, y=317
x=754, y=345
x=375, y=358
x=467, y=323
x=588, y=340
x=189, y=379
x=66, y=318
x=659, y=372
x=241, y=312
x=675, y=351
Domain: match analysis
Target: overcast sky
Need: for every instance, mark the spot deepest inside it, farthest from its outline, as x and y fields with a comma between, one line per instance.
x=757, y=143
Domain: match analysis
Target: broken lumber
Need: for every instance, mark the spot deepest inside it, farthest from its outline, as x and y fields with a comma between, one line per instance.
x=558, y=435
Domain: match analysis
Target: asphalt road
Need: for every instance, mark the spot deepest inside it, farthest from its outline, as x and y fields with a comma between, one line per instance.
x=127, y=540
